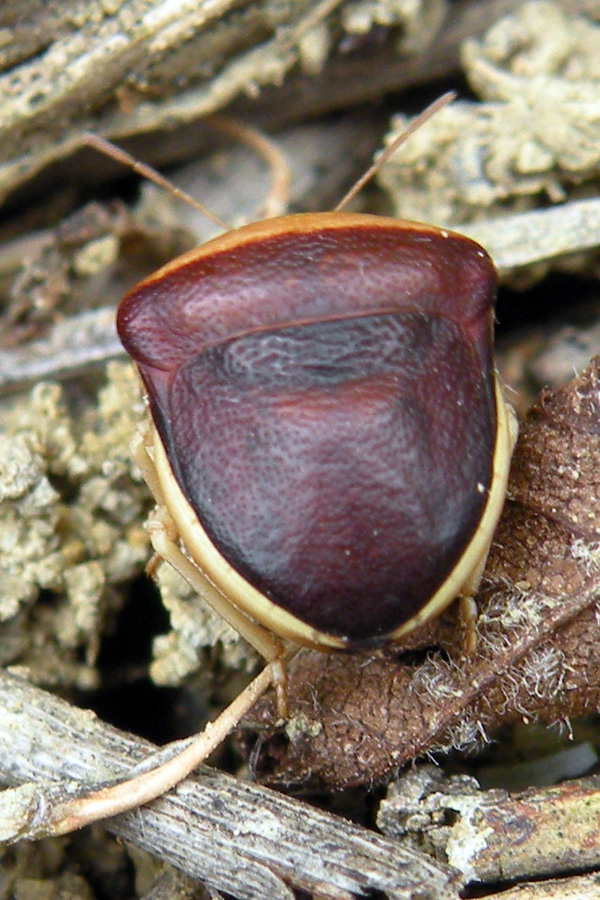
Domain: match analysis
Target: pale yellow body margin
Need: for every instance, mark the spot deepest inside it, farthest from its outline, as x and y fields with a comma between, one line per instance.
x=244, y=606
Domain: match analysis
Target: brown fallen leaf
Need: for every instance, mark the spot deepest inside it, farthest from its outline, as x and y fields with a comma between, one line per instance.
x=357, y=718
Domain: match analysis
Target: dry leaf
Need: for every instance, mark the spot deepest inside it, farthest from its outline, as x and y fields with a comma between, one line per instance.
x=356, y=718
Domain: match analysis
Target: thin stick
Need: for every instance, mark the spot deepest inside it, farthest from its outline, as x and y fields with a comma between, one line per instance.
x=389, y=151
x=121, y=156
x=147, y=786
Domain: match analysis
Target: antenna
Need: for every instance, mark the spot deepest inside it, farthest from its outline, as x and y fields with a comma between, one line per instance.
x=121, y=156
x=383, y=157
x=276, y=199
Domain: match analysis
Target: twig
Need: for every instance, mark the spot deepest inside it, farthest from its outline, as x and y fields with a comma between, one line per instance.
x=523, y=239
x=494, y=836
x=123, y=60
x=525, y=836
x=580, y=887
x=238, y=838
x=70, y=346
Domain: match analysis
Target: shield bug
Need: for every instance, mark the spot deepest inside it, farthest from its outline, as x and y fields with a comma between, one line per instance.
x=327, y=437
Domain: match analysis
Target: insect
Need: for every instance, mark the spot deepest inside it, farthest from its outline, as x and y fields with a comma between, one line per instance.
x=328, y=439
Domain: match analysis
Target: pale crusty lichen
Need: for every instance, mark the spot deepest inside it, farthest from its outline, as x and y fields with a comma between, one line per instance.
x=194, y=627
x=71, y=505
x=418, y=21
x=536, y=136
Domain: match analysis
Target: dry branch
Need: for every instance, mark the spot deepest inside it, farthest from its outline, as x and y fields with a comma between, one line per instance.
x=242, y=839
x=116, y=73
x=495, y=837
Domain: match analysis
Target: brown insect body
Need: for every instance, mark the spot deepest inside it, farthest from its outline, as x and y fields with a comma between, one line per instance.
x=329, y=435
x=328, y=444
